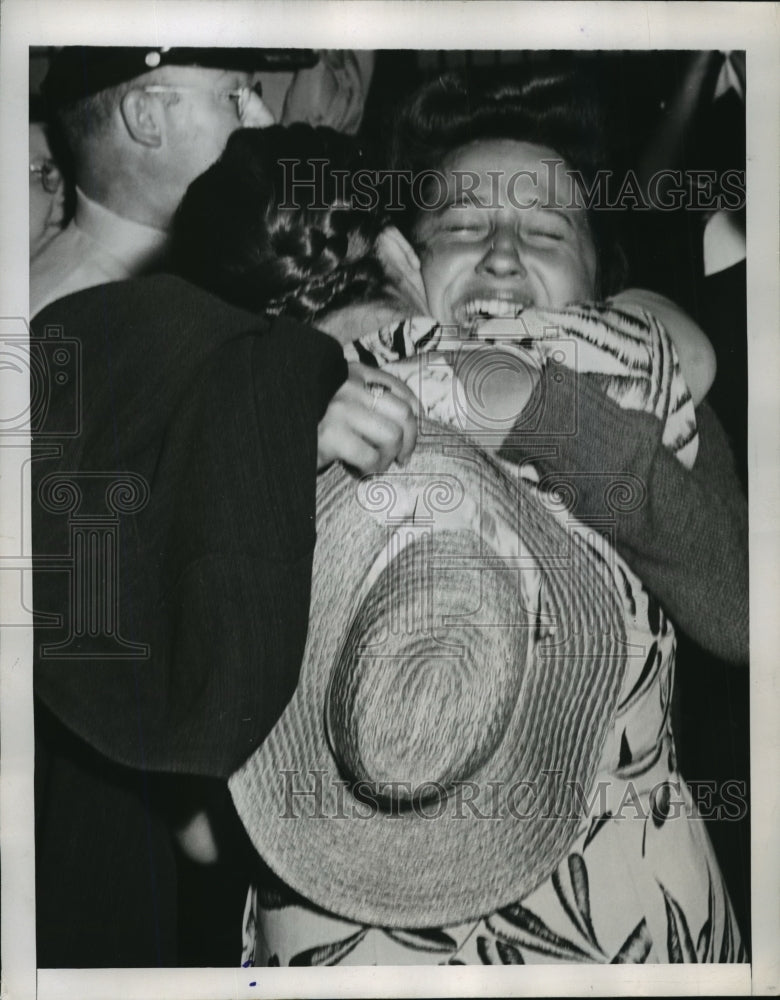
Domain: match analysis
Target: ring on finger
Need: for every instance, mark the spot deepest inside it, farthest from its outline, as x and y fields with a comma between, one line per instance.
x=375, y=390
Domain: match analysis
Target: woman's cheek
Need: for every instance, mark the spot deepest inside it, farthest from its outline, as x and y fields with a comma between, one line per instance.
x=433, y=271
x=446, y=271
x=569, y=278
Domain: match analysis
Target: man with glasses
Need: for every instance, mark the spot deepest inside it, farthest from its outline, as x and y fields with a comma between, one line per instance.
x=139, y=125
x=47, y=191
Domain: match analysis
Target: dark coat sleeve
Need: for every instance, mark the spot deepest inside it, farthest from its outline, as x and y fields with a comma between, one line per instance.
x=213, y=571
x=683, y=532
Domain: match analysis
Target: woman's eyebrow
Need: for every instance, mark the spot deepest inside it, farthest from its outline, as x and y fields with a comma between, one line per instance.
x=465, y=200
x=559, y=213
x=433, y=213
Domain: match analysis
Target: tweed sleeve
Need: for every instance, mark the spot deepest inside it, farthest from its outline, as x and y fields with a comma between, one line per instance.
x=686, y=534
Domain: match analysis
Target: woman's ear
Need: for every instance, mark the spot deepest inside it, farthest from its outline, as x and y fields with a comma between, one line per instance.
x=143, y=116
x=402, y=266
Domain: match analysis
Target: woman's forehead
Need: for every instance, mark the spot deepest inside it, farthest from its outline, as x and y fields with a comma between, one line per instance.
x=480, y=153
x=510, y=170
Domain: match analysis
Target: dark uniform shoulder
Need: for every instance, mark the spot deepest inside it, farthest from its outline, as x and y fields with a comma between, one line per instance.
x=155, y=298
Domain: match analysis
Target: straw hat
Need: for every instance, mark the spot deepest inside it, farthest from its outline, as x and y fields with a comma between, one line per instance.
x=464, y=657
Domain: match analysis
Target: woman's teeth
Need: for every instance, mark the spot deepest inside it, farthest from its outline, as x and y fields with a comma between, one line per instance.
x=493, y=308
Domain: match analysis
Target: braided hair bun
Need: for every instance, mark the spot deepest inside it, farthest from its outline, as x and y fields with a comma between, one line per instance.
x=272, y=227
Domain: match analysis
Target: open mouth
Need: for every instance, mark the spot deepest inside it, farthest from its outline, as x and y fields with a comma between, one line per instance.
x=489, y=307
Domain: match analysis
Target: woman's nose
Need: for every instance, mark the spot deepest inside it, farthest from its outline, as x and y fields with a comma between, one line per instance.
x=504, y=256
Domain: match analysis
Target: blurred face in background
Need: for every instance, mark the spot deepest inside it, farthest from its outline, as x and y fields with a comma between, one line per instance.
x=506, y=234
x=47, y=191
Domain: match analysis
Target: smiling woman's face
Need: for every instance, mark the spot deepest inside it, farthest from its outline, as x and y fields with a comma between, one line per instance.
x=509, y=234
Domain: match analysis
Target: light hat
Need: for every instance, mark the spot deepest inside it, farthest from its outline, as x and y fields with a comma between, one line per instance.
x=462, y=667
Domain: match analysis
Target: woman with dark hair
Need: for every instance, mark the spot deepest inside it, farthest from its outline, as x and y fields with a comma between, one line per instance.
x=274, y=229
x=501, y=266
x=558, y=112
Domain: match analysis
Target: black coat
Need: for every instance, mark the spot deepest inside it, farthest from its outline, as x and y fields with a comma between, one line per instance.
x=173, y=500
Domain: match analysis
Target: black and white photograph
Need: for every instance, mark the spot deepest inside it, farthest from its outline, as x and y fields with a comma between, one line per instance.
x=390, y=482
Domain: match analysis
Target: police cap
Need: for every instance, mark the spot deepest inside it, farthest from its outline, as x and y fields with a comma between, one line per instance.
x=79, y=71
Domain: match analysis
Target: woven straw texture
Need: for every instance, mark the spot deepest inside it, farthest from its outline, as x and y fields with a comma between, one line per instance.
x=462, y=642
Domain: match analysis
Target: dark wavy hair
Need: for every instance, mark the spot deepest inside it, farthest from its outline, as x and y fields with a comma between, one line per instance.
x=272, y=227
x=557, y=109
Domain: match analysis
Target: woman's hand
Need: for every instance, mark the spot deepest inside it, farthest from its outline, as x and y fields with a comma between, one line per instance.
x=402, y=267
x=370, y=422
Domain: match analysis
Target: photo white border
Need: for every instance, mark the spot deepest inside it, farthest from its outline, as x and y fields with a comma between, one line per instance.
x=438, y=24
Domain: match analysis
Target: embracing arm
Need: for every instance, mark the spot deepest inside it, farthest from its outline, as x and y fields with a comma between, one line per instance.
x=213, y=573
x=688, y=539
x=694, y=350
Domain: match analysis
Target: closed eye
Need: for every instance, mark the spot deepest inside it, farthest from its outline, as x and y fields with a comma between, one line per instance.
x=462, y=220
x=549, y=226
x=549, y=234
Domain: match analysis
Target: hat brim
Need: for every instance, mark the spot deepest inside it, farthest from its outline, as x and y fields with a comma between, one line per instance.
x=492, y=839
x=80, y=71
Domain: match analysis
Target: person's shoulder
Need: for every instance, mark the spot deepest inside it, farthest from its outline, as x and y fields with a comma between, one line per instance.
x=156, y=330
x=149, y=302
x=163, y=324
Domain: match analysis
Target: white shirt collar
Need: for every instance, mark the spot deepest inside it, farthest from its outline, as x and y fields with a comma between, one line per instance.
x=132, y=243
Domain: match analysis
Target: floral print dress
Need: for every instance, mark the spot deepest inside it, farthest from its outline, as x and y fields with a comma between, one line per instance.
x=640, y=883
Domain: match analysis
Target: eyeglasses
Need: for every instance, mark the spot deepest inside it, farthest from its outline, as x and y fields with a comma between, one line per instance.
x=245, y=97
x=51, y=178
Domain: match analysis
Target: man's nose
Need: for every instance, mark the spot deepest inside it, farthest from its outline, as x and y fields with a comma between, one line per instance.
x=504, y=256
